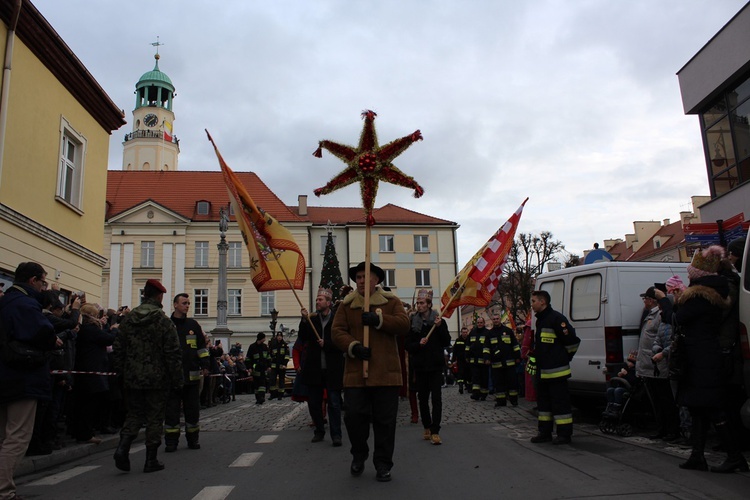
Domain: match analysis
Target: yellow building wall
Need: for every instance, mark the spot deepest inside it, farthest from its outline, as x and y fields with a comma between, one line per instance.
x=32, y=153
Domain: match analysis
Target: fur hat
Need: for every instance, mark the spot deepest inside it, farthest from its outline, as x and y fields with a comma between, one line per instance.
x=705, y=262
x=424, y=294
x=361, y=267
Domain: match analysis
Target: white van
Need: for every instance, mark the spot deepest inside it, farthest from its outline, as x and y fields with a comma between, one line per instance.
x=603, y=303
x=744, y=326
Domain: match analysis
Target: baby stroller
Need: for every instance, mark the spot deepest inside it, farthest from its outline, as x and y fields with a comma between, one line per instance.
x=224, y=389
x=636, y=409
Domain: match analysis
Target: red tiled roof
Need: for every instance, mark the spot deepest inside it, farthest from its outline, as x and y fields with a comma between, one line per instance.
x=179, y=191
x=387, y=214
x=672, y=231
x=620, y=251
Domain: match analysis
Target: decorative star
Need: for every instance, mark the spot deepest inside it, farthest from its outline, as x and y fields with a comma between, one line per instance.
x=369, y=163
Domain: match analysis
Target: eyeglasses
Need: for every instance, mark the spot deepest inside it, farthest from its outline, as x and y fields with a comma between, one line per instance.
x=44, y=283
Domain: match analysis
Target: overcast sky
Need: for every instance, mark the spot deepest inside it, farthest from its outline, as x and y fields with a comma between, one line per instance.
x=574, y=104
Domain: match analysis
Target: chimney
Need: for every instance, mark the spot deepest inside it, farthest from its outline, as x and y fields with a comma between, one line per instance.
x=666, y=222
x=302, y=202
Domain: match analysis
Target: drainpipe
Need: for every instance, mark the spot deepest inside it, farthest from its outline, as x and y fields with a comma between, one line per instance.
x=5, y=92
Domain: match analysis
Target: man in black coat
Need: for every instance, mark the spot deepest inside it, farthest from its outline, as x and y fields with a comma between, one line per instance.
x=324, y=366
x=428, y=358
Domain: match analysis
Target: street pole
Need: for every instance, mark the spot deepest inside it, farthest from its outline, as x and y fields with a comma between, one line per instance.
x=221, y=304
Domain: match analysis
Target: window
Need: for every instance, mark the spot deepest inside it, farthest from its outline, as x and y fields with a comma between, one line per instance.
x=203, y=207
x=267, y=303
x=201, y=254
x=421, y=243
x=235, y=301
x=422, y=277
x=323, y=240
x=235, y=254
x=585, y=297
x=70, y=173
x=200, y=301
x=386, y=242
x=556, y=291
x=390, y=278
x=147, y=253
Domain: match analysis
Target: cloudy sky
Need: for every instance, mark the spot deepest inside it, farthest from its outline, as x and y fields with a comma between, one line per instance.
x=574, y=103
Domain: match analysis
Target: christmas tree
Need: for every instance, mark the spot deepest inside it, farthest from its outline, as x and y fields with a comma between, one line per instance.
x=331, y=275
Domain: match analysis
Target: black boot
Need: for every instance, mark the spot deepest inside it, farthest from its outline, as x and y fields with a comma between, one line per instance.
x=122, y=461
x=460, y=387
x=192, y=439
x=735, y=460
x=152, y=464
x=699, y=430
x=170, y=442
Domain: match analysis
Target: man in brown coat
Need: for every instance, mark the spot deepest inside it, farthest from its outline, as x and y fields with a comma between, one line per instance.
x=372, y=400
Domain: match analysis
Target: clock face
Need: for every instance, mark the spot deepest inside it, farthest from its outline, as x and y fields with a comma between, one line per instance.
x=150, y=120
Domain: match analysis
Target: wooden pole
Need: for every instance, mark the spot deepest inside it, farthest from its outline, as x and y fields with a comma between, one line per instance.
x=291, y=287
x=366, y=307
x=453, y=297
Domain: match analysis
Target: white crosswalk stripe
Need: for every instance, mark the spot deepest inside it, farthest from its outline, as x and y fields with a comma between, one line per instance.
x=63, y=476
x=268, y=438
x=246, y=460
x=214, y=493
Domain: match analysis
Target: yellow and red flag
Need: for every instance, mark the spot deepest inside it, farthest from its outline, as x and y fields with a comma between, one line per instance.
x=479, y=278
x=276, y=261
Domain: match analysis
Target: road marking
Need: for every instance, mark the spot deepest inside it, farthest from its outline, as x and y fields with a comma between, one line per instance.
x=214, y=493
x=269, y=438
x=279, y=425
x=246, y=460
x=63, y=476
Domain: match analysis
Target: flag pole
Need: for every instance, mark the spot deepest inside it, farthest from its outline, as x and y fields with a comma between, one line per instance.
x=291, y=287
x=453, y=297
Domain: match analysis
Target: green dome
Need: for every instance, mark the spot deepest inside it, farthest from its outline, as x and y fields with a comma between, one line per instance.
x=155, y=76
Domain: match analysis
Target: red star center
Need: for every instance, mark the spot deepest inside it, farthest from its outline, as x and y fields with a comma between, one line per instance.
x=368, y=162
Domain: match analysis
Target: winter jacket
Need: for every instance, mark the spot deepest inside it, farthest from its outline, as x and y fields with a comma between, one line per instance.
x=22, y=319
x=700, y=312
x=650, y=326
x=503, y=347
x=430, y=356
x=91, y=356
x=193, y=347
x=147, y=349
x=347, y=331
x=313, y=372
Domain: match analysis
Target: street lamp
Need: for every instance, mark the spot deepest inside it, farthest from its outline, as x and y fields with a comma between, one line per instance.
x=274, y=317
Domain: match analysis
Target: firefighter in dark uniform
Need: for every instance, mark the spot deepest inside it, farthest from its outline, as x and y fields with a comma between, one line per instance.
x=555, y=343
x=504, y=355
x=458, y=357
x=278, y=350
x=194, y=364
x=257, y=354
x=478, y=364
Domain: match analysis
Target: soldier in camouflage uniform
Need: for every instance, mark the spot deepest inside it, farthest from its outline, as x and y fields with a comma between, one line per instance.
x=149, y=360
x=278, y=351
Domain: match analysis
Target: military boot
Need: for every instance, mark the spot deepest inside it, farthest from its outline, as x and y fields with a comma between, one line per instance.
x=152, y=464
x=122, y=460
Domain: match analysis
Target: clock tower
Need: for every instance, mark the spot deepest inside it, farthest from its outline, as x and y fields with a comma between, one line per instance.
x=152, y=144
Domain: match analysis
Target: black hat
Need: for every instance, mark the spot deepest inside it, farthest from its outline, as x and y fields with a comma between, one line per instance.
x=361, y=267
x=649, y=293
